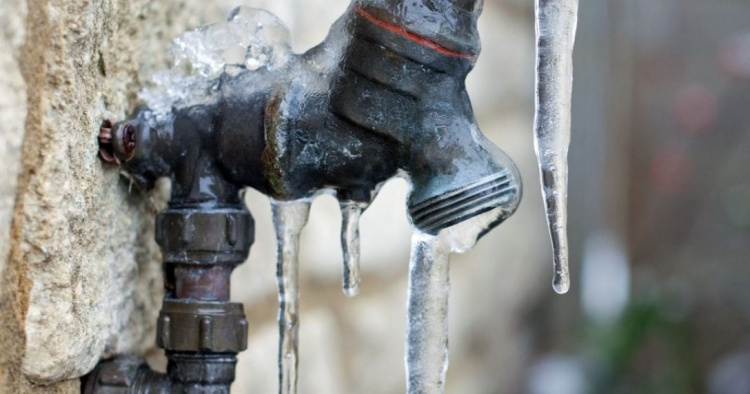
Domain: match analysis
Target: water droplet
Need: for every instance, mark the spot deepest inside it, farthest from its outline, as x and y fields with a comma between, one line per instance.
x=561, y=282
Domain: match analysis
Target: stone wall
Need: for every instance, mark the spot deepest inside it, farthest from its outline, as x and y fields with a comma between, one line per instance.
x=82, y=275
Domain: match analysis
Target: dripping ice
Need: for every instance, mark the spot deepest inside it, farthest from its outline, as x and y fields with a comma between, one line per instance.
x=428, y=291
x=555, y=25
x=427, y=304
x=289, y=218
x=427, y=314
x=350, y=214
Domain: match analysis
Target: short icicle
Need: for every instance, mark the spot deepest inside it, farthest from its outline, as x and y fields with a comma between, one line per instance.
x=427, y=315
x=350, y=214
x=288, y=219
x=556, y=27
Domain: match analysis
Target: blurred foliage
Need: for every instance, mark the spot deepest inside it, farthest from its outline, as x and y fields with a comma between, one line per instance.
x=648, y=350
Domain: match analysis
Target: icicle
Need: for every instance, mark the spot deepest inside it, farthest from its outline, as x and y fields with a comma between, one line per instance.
x=427, y=315
x=427, y=305
x=556, y=26
x=350, y=214
x=288, y=219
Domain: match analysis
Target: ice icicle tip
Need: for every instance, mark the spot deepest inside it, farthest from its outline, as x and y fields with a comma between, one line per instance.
x=555, y=27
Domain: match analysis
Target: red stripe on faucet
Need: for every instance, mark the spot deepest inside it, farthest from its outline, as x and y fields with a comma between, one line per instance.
x=411, y=36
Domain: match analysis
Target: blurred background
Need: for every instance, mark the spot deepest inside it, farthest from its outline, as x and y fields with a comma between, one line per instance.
x=659, y=221
x=660, y=205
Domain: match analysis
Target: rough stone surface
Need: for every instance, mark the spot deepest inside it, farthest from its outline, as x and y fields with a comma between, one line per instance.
x=80, y=243
x=83, y=280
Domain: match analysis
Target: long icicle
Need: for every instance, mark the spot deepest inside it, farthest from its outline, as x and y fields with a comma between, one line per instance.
x=289, y=218
x=427, y=315
x=556, y=26
x=350, y=214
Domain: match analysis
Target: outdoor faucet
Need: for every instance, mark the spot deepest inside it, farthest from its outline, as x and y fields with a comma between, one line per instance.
x=382, y=96
x=396, y=101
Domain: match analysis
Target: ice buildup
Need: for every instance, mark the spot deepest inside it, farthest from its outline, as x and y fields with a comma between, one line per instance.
x=556, y=26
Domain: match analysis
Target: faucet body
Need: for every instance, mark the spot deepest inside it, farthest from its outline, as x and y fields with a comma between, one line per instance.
x=382, y=96
x=392, y=102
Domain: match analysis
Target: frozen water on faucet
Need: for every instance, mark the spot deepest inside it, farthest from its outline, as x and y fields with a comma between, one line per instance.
x=427, y=315
x=350, y=214
x=556, y=26
x=427, y=305
x=250, y=39
x=288, y=219
x=428, y=293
